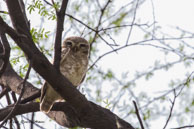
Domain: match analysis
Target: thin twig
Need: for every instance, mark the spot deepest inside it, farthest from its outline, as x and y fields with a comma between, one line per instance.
x=102, y=12
x=182, y=127
x=175, y=96
x=14, y=96
x=96, y=30
x=47, y=2
x=115, y=44
x=133, y=44
x=120, y=26
x=5, y=90
x=6, y=52
x=138, y=116
x=4, y=127
x=133, y=21
x=8, y=99
x=182, y=85
x=17, y=123
x=176, y=51
x=154, y=18
x=171, y=109
x=98, y=4
x=32, y=121
x=99, y=21
x=117, y=12
x=81, y=22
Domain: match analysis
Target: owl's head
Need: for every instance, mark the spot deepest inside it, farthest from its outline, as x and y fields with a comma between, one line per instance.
x=76, y=45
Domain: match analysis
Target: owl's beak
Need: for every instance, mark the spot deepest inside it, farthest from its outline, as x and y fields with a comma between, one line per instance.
x=75, y=49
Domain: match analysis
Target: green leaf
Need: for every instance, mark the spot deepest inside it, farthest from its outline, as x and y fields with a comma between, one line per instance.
x=37, y=100
x=192, y=104
x=187, y=109
x=15, y=60
x=147, y=115
x=107, y=104
x=77, y=7
x=146, y=36
x=181, y=47
x=108, y=75
x=149, y=75
x=56, y=5
x=119, y=20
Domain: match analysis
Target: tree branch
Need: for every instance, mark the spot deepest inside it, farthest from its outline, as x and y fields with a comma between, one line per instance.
x=6, y=51
x=172, y=107
x=5, y=91
x=58, y=37
x=18, y=17
x=183, y=127
x=138, y=116
x=71, y=116
x=133, y=21
x=19, y=99
x=13, y=81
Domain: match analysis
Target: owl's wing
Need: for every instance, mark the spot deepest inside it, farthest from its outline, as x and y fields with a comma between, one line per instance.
x=43, y=91
x=64, y=53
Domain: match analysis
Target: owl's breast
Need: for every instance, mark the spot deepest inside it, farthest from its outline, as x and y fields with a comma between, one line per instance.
x=74, y=69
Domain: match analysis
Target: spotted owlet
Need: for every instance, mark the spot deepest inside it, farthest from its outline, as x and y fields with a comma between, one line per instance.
x=73, y=65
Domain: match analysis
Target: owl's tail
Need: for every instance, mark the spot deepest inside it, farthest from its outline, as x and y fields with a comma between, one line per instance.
x=45, y=105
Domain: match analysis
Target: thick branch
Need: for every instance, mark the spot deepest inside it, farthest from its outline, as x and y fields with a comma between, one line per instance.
x=58, y=37
x=12, y=80
x=19, y=20
x=14, y=109
x=21, y=109
x=69, y=117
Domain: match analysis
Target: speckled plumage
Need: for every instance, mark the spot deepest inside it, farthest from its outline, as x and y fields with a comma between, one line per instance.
x=73, y=65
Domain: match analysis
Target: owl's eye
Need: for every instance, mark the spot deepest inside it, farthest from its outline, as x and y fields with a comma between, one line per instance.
x=69, y=44
x=83, y=46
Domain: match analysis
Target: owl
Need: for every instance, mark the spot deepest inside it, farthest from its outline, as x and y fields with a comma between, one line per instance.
x=73, y=65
